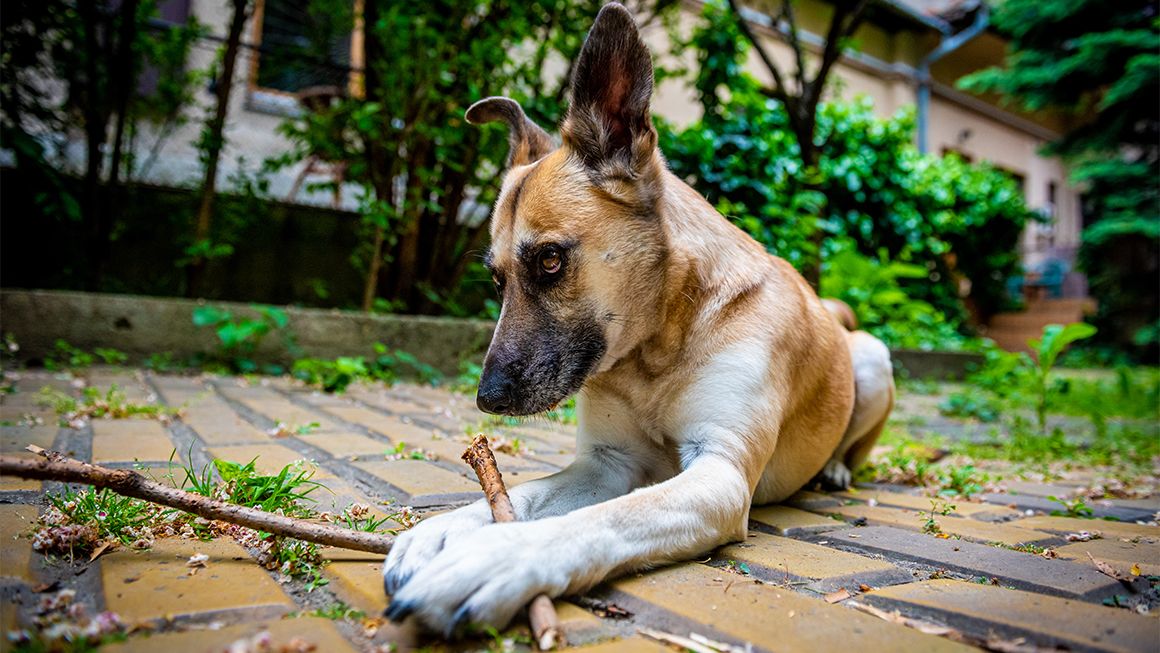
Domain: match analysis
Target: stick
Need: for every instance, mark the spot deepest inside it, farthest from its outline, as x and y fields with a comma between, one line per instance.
x=55, y=467
x=541, y=612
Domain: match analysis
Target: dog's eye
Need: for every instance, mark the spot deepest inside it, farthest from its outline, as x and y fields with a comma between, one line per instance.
x=551, y=261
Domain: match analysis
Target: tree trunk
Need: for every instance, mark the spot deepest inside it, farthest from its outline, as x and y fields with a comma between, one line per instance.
x=215, y=141
x=96, y=121
x=124, y=74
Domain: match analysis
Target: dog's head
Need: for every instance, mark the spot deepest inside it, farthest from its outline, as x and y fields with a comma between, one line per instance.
x=577, y=248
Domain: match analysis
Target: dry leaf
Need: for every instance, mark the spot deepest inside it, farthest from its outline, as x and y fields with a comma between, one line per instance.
x=1107, y=569
x=1135, y=570
x=865, y=588
x=837, y=596
x=101, y=549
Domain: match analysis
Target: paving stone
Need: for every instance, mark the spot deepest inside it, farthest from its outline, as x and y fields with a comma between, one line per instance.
x=1042, y=504
x=1039, y=489
x=357, y=578
x=180, y=390
x=155, y=584
x=723, y=606
x=963, y=508
x=13, y=442
x=344, y=444
x=424, y=483
x=635, y=644
x=777, y=559
x=271, y=458
x=967, y=529
x=392, y=427
x=1065, y=525
x=1120, y=554
x=282, y=410
x=784, y=520
x=807, y=500
x=127, y=383
x=1151, y=503
x=126, y=440
x=316, y=631
x=1046, y=621
x=1014, y=568
x=15, y=547
x=216, y=423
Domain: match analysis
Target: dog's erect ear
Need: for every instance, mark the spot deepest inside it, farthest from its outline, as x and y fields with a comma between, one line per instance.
x=529, y=143
x=609, y=121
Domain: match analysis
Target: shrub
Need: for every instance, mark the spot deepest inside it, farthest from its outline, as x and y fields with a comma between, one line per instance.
x=951, y=219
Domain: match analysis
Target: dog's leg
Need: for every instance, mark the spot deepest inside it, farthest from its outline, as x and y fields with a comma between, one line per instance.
x=600, y=472
x=873, y=401
x=488, y=575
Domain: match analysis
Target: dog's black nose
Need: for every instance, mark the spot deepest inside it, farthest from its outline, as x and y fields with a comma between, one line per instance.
x=495, y=392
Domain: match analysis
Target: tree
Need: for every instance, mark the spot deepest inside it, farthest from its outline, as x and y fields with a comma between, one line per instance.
x=428, y=178
x=801, y=98
x=212, y=142
x=1098, y=63
x=98, y=52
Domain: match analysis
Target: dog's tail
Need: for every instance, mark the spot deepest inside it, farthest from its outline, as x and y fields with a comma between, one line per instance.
x=842, y=311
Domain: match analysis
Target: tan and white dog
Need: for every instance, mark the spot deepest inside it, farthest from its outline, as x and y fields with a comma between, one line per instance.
x=711, y=376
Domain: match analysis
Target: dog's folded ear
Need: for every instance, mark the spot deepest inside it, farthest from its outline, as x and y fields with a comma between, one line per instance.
x=609, y=123
x=529, y=143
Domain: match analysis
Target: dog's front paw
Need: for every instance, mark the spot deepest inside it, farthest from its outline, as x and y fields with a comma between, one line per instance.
x=415, y=548
x=484, y=577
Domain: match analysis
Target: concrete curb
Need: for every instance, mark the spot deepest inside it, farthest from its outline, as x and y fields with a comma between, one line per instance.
x=141, y=326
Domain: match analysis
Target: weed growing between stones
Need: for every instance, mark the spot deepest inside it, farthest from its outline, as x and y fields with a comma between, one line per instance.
x=386, y=366
x=93, y=521
x=93, y=404
x=930, y=523
x=401, y=452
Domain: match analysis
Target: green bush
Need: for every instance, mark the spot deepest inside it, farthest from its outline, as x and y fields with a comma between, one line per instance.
x=872, y=288
x=952, y=219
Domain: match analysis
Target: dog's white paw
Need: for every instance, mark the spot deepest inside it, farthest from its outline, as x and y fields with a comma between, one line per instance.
x=836, y=474
x=415, y=548
x=484, y=577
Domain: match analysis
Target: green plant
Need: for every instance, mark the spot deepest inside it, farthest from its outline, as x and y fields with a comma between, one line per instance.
x=970, y=402
x=281, y=492
x=1055, y=339
x=386, y=366
x=239, y=337
x=67, y=357
x=963, y=481
x=1076, y=507
x=930, y=524
x=110, y=404
x=400, y=452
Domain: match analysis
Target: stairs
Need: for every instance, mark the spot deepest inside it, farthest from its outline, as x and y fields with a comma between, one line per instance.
x=1011, y=331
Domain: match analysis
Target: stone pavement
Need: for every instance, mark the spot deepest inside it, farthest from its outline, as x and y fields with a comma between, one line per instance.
x=823, y=572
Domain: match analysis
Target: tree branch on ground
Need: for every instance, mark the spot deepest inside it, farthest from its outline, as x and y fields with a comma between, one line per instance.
x=53, y=466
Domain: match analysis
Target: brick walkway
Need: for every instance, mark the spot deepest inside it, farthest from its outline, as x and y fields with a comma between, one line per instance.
x=822, y=572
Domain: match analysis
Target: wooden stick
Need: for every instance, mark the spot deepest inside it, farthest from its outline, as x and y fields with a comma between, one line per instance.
x=55, y=467
x=541, y=612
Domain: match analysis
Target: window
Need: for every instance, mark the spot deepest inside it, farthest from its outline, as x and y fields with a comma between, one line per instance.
x=300, y=46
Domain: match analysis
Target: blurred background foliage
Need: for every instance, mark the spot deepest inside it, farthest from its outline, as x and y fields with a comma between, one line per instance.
x=910, y=240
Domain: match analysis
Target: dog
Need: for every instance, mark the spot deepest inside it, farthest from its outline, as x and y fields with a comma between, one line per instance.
x=710, y=375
